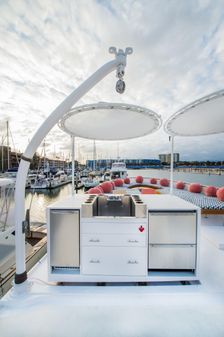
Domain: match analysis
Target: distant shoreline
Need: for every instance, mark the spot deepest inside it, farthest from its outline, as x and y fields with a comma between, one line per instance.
x=208, y=171
x=201, y=170
x=205, y=170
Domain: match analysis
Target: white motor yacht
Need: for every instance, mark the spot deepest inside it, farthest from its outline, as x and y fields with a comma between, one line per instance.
x=12, y=174
x=118, y=170
x=51, y=182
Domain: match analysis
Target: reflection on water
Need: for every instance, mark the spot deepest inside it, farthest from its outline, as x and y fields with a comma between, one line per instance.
x=39, y=200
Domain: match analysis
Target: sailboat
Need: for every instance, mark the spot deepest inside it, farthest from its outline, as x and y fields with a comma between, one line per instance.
x=92, y=180
x=8, y=171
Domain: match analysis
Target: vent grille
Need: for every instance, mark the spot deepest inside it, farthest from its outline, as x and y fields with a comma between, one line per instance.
x=64, y=268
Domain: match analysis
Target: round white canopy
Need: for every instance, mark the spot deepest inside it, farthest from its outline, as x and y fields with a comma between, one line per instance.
x=204, y=116
x=110, y=121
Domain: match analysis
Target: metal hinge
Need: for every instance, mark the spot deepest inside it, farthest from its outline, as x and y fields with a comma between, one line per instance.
x=25, y=226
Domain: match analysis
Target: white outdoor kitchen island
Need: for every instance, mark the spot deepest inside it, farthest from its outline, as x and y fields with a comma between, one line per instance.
x=123, y=238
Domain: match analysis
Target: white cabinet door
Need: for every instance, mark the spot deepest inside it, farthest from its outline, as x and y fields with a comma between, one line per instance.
x=114, y=261
x=114, y=240
x=172, y=228
x=172, y=256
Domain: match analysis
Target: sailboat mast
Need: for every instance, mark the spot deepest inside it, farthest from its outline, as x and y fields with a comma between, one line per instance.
x=7, y=141
x=44, y=155
x=2, y=154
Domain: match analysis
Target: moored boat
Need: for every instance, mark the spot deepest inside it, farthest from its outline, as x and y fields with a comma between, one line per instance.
x=90, y=182
x=118, y=170
x=50, y=182
x=12, y=174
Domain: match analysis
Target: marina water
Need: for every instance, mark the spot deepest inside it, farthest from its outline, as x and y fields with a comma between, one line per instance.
x=187, y=177
x=39, y=200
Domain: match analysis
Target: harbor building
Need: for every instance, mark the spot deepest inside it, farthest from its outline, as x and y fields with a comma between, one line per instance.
x=5, y=157
x=104, y=164
x=10, y=160
x=166, y=158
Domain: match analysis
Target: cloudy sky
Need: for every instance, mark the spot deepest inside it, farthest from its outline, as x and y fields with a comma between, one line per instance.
x=49, y=47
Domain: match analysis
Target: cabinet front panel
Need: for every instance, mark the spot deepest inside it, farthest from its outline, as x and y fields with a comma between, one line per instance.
x=114, y=261
x=64, y=238
x=114, y=240
x=172, y=256
x=172, y=228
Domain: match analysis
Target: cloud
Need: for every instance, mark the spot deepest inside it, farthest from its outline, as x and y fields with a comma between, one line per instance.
x=49, y=47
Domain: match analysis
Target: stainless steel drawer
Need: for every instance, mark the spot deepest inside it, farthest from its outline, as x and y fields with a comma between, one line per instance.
x=172, y=228
x=172, y=256
x=114, y=261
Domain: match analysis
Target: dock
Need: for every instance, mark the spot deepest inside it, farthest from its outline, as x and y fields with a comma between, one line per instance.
x=38, y=248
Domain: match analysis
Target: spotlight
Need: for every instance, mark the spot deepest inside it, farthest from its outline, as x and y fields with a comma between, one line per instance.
x=120, y=86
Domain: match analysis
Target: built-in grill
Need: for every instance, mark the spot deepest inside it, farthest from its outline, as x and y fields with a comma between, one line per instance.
x=114, y=205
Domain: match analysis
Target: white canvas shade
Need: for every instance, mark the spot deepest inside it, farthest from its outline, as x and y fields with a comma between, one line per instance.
x=110, y=121
x=204, y=116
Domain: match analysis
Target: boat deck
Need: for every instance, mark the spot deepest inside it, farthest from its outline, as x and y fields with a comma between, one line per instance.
x=199, y=199
x=167, y=309
x=207, y=204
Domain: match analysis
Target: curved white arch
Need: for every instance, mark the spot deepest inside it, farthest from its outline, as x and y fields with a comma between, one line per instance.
x=120, y=61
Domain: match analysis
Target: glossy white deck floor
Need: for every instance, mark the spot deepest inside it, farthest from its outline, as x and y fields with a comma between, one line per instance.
x=153, y=310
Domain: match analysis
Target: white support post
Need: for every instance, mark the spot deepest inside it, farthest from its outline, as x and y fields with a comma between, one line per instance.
x=171, y=164
x=49, y=123
x=94, y=155
x=73, y=165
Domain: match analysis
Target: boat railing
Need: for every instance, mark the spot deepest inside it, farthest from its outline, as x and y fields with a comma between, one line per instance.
x=6, y=198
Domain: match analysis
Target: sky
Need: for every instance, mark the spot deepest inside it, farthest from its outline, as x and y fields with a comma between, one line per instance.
x=49, y=47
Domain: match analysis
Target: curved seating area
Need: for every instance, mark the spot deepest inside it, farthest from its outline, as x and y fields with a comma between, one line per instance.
x=207, y=204
x=202, y=197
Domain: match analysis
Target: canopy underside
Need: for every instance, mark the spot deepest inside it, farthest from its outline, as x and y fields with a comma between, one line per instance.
x=110, y=121
x=202, y=117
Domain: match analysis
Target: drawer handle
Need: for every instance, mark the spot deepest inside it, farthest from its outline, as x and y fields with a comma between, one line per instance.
x=94, y=261
x=94, y=240
x=163, y=245
x=132, y=262
x=133, y=241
